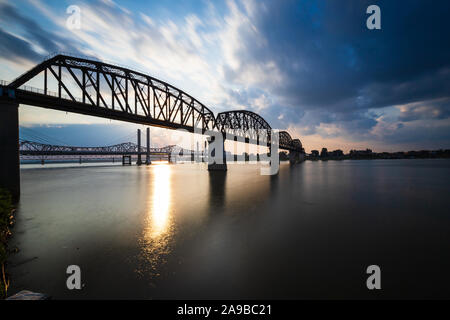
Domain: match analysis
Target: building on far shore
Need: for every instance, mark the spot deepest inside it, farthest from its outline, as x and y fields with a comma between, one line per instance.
x=368, y=154
x=315, y=153
x=360, y=154
x=336, y=153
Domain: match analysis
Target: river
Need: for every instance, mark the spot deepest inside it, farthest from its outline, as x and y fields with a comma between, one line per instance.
x=178, y=231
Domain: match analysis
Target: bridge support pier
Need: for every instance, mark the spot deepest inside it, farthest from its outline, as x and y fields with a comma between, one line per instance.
x=9, y=144
x=139, y=159
x=257, y=149
x=295, y=157
x=292, y=157
x=213, y=149
x=126, y=160
x=147, y=159
x=247, y=150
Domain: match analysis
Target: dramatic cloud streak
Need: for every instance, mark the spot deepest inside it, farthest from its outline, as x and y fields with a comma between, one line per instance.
x=310, y=66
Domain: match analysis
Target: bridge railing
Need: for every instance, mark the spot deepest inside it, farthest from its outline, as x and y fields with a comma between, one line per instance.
x=41, y=91
x=101, y=60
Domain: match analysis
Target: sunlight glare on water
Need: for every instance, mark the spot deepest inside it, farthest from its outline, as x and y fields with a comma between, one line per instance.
x=158, y=231
x=180, y=231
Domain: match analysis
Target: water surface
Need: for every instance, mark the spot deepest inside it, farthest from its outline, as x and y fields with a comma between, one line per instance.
x=178, y=231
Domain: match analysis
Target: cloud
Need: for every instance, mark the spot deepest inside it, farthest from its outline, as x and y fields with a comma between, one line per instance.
x=434, y=109
x=41, y=41
x=16, y=49
x=326, y=55
x=311, y=66
x=425, y=134
x=319, y=58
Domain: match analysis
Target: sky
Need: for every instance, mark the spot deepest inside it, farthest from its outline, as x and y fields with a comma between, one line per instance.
x=311, y=67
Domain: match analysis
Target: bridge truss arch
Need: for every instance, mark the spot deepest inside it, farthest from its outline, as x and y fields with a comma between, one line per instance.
x=285, y=139
x=286, y=142
x=32, y=148
x=96, y=88
x=100, y=89
x=244, y=123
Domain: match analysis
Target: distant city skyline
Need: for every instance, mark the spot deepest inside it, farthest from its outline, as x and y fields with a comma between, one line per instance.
x=312, y=68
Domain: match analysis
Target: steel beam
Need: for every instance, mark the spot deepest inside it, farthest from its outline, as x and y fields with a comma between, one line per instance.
x=139, y=159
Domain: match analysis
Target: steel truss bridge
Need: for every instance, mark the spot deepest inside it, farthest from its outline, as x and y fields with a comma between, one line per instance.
x=31, y=148
x=96, y=88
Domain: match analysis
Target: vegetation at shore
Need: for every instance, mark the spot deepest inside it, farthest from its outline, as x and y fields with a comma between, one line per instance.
x=6, y=220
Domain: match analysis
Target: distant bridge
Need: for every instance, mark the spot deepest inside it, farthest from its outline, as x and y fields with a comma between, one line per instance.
x=31, y=148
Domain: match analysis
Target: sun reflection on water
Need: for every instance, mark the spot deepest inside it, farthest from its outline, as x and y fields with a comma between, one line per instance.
x=160, y=203
x=158, y=228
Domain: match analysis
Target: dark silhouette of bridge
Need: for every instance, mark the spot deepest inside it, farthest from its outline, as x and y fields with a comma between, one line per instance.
x=32, y=149
x=95, y=88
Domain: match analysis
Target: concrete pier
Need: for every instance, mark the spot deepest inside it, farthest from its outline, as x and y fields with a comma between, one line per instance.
x=257, y=149
x=292, y=157
x=147, y=160
x=296, y=157
x=126, y=160
x=139, y=159
x=247, y=150
x=9, y=144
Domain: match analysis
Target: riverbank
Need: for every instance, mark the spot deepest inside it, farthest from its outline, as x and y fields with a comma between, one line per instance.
x=6, y=218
